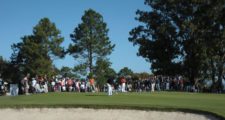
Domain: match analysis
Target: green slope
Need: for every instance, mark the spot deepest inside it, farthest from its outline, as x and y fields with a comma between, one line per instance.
x=169, y=101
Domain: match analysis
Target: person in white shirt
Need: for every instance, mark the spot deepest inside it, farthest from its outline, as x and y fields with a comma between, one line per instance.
x=109, y=85
x=123, y=84
x=53, y=85
x=153, y=84
x=34, y=82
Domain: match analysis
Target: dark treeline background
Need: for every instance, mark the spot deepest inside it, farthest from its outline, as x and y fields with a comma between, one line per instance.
x=183, y=37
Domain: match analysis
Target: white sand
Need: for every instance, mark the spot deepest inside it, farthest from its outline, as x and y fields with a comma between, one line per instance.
x=95, y=114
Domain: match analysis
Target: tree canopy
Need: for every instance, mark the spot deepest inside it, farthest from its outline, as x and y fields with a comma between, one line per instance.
x=36, y=52
x=103, y=71
x=182, y=37
x=68, y=72
x=90, y=40
x=157, y=41
x=125, y=72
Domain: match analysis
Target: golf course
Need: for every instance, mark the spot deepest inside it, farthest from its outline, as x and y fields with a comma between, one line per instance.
x=200, y=103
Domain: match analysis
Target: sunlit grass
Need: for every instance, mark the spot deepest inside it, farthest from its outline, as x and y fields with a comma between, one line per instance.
x=169, y=101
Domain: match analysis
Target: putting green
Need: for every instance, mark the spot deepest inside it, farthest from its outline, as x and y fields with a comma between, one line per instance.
x=163, y=101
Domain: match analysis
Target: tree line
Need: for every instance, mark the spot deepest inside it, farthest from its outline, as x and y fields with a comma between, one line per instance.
x=183, y=37
x=179, y=37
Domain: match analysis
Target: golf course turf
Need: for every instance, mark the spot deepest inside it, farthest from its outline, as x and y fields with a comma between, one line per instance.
x=201, y=103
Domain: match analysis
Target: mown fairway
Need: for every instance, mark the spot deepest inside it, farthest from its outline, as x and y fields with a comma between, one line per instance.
x=192, y=102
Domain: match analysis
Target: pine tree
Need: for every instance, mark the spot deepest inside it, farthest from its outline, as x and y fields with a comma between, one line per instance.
x=36, y=52
x=90, y=40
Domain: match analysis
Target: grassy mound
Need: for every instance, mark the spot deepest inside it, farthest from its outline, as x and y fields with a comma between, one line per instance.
x=213, y=104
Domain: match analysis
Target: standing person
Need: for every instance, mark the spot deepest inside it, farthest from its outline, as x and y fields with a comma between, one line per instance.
x=78, y=85
x=167, y=83
x=181, y=83
x=123, y=84
x=63, y=83
x=34, y=82
x=70, y=84
x=158, y=83
x=45, y=84
x=82, y=86
x=109, y=85
x=25, y=85
x=59, y=87
x=1, y=86
x=92, y=84
x=153, y=84
x=138, y=85
x=40, y=86
x=53, y=83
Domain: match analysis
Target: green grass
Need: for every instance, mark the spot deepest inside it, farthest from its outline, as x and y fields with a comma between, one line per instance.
x=168, y=101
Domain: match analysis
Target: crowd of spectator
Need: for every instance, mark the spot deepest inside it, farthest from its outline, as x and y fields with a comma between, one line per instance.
x=42, y=84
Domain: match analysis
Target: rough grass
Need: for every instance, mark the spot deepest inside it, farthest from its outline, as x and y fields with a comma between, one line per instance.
x=213, y=104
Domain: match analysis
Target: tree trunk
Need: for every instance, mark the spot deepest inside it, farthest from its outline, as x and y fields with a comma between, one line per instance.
x=213, y=74
x=90, y=57
x=212, y=70
x=220, y=76
x=91, y=61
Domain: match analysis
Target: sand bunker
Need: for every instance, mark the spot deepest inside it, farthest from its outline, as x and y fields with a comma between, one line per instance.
x=95, y=114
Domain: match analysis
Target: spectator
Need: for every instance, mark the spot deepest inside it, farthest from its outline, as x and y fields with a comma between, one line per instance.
x=167, y=84
x=53, y=84
x=77, y=85
x=1, y=86
x=82, y=86
x=63, y=84
x=34, y=82
x=181, y=83
x=92, y=84
x=69, y=84
x=158, y=83
x=109, y=85
x=123, y=84
x=25, y=85
x=153, y=84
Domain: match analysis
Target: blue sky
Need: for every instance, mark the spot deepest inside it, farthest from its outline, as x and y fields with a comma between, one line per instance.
x=18, y=17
